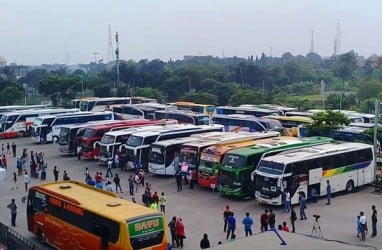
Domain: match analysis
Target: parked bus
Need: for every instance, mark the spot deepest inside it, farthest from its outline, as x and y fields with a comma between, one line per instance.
x=238, y=164
x=234, y=123
x=245, y=110
x=183, y=116
x=162, y=153
x=138, y=145
x=291, y=124
x=281, y=109
x=47, y=128
x=346, y=165
x=133, y=111
x=140, y=99
x=75, y=103
x=90, y=148
x=69, y=138
x=102, y=104
x=194, y=107
x=6, y=109
x=73, y=215
x=18, y=123
x=211, y=157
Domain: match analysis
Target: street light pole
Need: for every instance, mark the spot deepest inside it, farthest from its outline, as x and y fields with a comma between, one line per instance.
x=375, y=140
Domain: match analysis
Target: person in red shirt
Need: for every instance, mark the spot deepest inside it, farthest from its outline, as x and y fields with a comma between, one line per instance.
x=180, y=235
x=285, y=227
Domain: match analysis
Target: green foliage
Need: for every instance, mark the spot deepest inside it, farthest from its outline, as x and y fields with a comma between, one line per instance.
x=333, y=101
x=150, y=93
x=325, y=122
x=369, y=89
x=245, y=97
x=122, y=90
x=10, y=94
x=345, y=65
x=200, y=97
x=301, y=104
x=303, y=88
x=370, y=132
x=224, y=91
x=102, y=90
x=60, y=87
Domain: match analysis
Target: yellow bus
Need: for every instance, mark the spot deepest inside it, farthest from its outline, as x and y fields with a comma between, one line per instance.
x=195, y=107
x=73, y=215
x=291, y=124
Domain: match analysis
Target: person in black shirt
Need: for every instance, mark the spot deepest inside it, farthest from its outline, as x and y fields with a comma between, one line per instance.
x=293, y=218
x=374, y=221
x=205, y=243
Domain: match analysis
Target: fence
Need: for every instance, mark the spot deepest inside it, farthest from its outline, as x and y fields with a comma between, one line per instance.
x=11, y=240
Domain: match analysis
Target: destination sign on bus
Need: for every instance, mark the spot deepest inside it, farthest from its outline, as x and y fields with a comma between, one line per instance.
x=146, y=225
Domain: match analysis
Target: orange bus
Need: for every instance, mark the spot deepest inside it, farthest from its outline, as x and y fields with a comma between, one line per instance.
x=91, y=150
x=211, y=158
x=72, y=215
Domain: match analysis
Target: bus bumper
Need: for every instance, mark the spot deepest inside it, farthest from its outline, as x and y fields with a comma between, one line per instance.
x=6, y=135
x=206, y=182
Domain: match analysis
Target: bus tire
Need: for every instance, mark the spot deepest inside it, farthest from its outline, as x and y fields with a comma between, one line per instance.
x=350, y=186
x=55, y=139
x=41, y=236
x=21, y=134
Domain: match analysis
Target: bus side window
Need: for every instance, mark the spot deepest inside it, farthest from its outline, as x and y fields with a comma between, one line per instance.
x=298, y=168
x=350, y=158
x=338, y=160
x=288, y=169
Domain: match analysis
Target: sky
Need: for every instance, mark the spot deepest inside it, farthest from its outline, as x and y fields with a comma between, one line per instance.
x=71, y=31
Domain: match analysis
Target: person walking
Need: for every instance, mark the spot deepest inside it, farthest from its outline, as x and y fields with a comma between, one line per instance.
x=15, y=181
x=374, y=221
x=14, y=149
x=131, y=184
x=117, y=182
x=302, y=203
x=8, y=148
x=247, y=222
x=5, y=162
x=231, y=226
x=362, y=222
x=180, y=233
x=287, y=202
x=27, y=180
x=293, y=218
x=55, y=173
x=108, y=171
x=178, y=178
x=226, y=212
x=79, y=152
x=137, y=181
x=264, y=220
x=328, y=191
x=172, y=228
x=12, y=206
x=205, y=243
x=358, y=225
x=272, y=219
x=162, y=203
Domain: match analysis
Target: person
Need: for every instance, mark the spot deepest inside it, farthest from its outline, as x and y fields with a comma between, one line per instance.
x=231, y=226
x=15, y=181
x=154, y=205
x=162, y=203
x=280, y=227
x=14, y=149
x=78, y=152
x=65, y=176
x=328, y=191
x=302, y=203
x=171, y=225
x=374, y=221
x=137, y=181
x=109, y=186
x=248, y=222
x=99, y=185
x=264, y=220
x=314, y=194
x=362, y=222
x=178, y=178
x=55, y=173
x=358, y=225
x=141, y=175
x=205, y=243
x=285, y=227
x=116, y=160
x=117, y=183
x=226, y=212
x=86, y=174
x=287, y=202
x=27, y=180
x=180, y=234
x=293, y=218
x=90, y=181
x=8, y=148
x=272, y=219
x=108, y=171
x=12, y=206
x=5, y=162
x=155, y=197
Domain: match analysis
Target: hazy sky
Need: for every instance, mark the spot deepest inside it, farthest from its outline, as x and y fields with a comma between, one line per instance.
x=51, y=31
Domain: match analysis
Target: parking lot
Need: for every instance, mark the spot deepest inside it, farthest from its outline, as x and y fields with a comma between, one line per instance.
x=200, y=209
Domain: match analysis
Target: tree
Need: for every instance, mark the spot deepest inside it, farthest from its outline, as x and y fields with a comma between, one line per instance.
x=370, y=89
x=201, y=98
x=325, y=122
x=60, y=87
x=224, y=91
x=102, y=90
x=150, y=93
x=10, y=94
x=245, y=97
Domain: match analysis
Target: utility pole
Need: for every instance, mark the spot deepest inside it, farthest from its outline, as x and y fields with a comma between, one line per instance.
x=311, y=41
x=117, y=56
x=95, y=57
x=110, y=49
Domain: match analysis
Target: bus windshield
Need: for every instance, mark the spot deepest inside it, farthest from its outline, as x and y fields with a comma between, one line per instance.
x=156, y=155
x=134, y=141
x=203, y=120
x=270, y=167
x=107, y=139
x=63, y=138
x=228, y=179
x=89, y=133
x=234, y=161
x=207, y=164
x=86, y=105
x=191, y=157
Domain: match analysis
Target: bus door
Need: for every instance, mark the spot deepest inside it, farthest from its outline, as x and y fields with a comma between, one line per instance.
x=314, y=182
x=103, y=233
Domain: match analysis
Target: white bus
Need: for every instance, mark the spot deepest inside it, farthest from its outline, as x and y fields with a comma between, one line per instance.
x=249, y=123
x=346, y=165
x=103, y=104
x=112, y=140
x=17, y=123
x=47, y=128
x=138, y=145
x=133, y=111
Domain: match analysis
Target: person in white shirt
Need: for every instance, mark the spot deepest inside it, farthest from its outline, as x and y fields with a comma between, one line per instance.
x=362, y=222
x=287, y=202
x=27, y=180
x=109, y=186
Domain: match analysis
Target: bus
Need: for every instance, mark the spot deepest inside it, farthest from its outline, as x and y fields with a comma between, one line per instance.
x=112, y=140
x=233, y=123
x=183, y=116
x=47, y=128
x=138, y=145
x=162, y=153
x=103, y=104
x=140, y=99
x=90, y=148
x=291, y=124
x=69, y=138
x=346, y=165
x=281, y=109
x=73, y=215
x=5, y=109
x=238, y=164
x=212, y=156
x=194, y=107
x=133, y=111
x=18, y=123
x=245, y=110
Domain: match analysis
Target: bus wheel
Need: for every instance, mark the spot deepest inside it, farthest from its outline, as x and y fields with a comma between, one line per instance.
x=21, y=133
x=40, y=236
x=55, y=139
x=349, y=186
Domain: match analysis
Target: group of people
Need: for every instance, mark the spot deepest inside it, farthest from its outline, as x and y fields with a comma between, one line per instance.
x=361, y=225
x=177, y=231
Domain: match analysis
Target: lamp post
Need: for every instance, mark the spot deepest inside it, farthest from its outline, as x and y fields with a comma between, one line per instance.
x=375, y=140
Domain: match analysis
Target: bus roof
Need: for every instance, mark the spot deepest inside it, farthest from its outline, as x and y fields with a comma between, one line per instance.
x=39, y=111
x=253, y=108
x=298, y=113
x=102, y=202
x=303, y=119
x=80, y=113
x=118, y=123
x=283, y=141
x=133, y=130
x=177, y=128
x=291, y=156
x=183, y=112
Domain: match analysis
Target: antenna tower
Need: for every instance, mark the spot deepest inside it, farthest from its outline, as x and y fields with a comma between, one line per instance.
x=95, y=57
x=337, y=40
x=117, y=56
x=311, y=42
x=110, y=49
